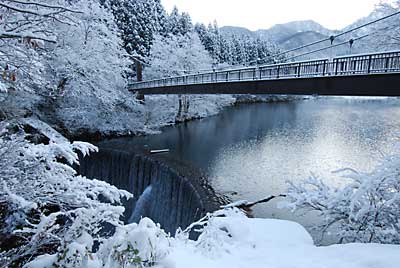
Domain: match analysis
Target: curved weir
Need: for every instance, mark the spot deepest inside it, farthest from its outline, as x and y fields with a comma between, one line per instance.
x=160, y=192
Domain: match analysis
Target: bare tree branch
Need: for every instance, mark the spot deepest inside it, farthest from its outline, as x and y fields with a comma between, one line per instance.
x=44, y=5
x=17, y=35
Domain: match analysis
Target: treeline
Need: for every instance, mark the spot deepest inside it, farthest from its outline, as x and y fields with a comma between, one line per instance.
x=140, y=21
x=235, y=50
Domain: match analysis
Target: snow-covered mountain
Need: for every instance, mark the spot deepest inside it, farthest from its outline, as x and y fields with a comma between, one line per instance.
x=298, y=33
x=237, y=31
x=292, y=34
x=281, y=32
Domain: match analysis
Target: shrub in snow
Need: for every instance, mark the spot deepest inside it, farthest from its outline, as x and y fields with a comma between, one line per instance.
x=214, y=234
x=135, y=245
x=44, y=205
x=366, y=210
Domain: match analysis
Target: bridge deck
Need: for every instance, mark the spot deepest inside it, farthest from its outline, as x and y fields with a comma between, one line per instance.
x=358, y=75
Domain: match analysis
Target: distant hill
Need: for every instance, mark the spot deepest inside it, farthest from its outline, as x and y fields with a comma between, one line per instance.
x=294, y=34
x=382, y=35
x=237, y=31
x=280, y=32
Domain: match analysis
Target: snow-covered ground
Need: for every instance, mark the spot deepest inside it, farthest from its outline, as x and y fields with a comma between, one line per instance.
x=245, y=242
x=232, y=241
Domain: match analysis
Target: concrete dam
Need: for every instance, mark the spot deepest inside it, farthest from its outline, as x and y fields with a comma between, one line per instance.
x=160, y=192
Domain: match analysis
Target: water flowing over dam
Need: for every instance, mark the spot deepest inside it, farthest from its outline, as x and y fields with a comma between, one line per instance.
x=160, y=192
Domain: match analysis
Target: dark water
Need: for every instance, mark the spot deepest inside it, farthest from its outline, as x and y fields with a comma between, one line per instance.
x=250, y=151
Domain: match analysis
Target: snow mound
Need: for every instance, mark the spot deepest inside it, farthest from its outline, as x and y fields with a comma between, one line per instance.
x=244, y=242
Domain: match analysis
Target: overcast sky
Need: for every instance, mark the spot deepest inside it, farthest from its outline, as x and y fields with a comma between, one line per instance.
x=262, y=14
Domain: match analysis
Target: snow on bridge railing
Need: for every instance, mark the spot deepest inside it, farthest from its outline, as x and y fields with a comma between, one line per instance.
x=344, y=65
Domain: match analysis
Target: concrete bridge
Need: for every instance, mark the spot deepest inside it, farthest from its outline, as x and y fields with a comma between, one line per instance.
x=376, y=74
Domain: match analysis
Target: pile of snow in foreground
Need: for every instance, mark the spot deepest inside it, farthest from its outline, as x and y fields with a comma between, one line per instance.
x=244, y=242
x=233, y=241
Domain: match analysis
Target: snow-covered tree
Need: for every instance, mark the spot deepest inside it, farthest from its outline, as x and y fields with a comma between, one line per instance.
x=367, y=209
x=386, y=34
x=235, y=50
x=76, y=80
x=139, y=21
x=179, y=24
x=88, y=57
x=177, y=55
x=25, y=28
x=44, y=205
x=47, y=39
x=383, y=35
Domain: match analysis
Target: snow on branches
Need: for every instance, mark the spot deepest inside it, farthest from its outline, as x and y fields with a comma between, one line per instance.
x=24, y=27
x=176, y=55
x=44, y=205
x=365, y=210
x=29, y=20
x=47, y=45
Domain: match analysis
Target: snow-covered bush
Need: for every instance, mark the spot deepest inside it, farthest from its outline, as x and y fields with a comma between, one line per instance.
x=367, y=209
x=45, y=206
x=132, y=246
x=135, y=245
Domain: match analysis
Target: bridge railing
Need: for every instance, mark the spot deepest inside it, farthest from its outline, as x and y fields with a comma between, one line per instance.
x=339, y=66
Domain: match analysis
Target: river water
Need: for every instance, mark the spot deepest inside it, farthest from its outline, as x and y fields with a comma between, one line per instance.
x=250, y=151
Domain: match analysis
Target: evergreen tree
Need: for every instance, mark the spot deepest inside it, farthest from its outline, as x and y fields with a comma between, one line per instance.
x=234, y=50
x=139, y=21
x=179, y=24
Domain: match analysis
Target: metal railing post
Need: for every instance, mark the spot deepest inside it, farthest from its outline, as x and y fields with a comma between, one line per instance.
x=299, y=70
x=369, y=64
x=387, y=64
x=335, y=62
x=277, y=71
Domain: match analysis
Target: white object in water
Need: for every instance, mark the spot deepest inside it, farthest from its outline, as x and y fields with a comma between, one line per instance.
x=159, y=151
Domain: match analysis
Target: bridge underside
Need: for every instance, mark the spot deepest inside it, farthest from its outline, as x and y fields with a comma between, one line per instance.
x=349, y=85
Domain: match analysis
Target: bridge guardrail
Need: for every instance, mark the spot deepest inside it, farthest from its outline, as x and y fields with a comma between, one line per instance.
x=346, y=65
